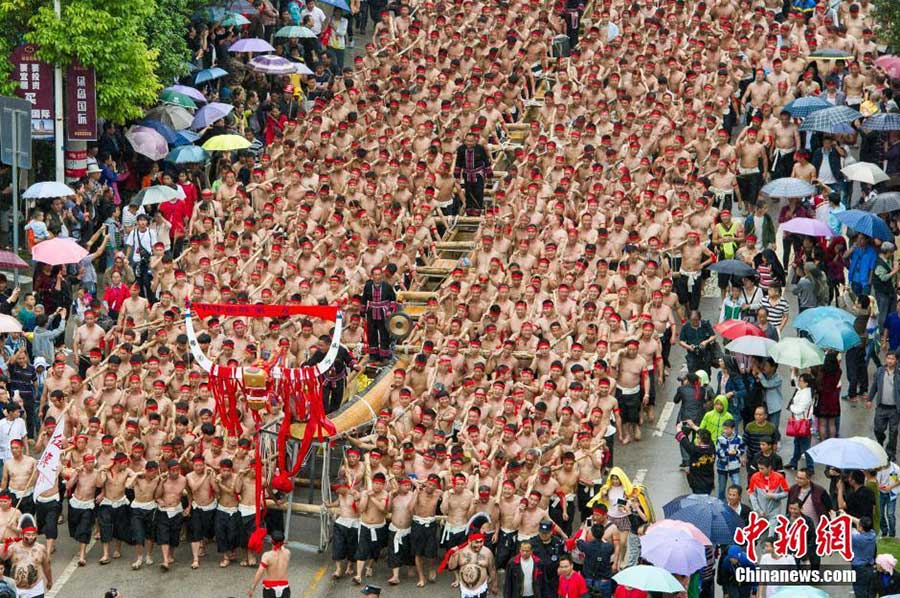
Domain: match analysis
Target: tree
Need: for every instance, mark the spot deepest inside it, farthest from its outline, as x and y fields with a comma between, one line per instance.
x=887, y=15
x=165, y=32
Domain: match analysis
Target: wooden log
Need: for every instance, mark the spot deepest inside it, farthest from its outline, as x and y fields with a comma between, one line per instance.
x=404, y=296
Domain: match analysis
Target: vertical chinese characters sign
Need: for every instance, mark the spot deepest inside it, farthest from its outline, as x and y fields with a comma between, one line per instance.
x=81, y=104
x=35, y=79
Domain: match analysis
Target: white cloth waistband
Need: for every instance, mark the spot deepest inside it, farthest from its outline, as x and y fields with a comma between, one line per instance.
x=277, y=590
x=351, y=522
x=522, y=537
x=18, y=493
x=754, y=170
x=119, y=502
x=450, y=529
x=150, y=505
x=210, y=507
x=630, y=390
x=172, y=512
x=424, y=521
x=81, y=504
x=47, y=499
x=227, y=510
x=373, y=530
x=246, y=510
x=467, y=593
x=399, y=534
x=36, y=590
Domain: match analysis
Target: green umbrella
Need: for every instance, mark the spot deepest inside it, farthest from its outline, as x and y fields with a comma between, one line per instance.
x=234, y=19
x=179, y=99
x=295, y=31
x=800, y=592
x=797, y=353
x=649, y=579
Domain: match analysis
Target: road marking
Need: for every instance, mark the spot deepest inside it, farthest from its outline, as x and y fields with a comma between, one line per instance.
x=664, y=418
x=639, y=477
x=317, y=577
x=60, y=581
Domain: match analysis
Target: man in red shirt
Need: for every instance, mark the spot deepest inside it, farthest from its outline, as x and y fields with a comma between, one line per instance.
x=571, y=583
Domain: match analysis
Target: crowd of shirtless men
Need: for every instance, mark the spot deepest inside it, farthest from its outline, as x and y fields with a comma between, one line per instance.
x=540, y=353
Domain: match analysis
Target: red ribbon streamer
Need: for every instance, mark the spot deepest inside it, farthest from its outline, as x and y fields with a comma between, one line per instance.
x=204, y=310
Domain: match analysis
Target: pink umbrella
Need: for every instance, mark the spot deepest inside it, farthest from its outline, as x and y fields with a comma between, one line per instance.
x=147, y=142
x=887, y=60
x=807, y=226
x=58, y=251
x=675, y=524
x=9, y=260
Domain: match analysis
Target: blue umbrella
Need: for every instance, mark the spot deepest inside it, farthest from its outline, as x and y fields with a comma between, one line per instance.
x=803, y=107
x=844, y=453
x=186, y=154
x=708, y=514
x=829, y=334
x=673, y=550
x=824, y=313
x=185, y=137
x=866, y=223
x=209, y=75
x=337, y=4
x=886, y=121
x=210, y=114
x=166, y=131
x=788, y=187
x=827, y=118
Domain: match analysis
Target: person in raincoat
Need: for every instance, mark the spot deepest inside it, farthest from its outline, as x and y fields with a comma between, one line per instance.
x=726, y=577
x=624, y=502
x=716, y=417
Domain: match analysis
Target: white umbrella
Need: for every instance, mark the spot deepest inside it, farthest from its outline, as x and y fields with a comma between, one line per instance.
x=302, y=69
x=873, y=446
x=48, y=189
x=758, y=346
x=865, y=172
x=9, y=324
x=154, y=194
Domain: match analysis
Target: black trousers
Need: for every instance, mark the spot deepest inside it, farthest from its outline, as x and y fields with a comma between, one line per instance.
x=333, y=396
x=857, y=376
x=81, y=521
x=474, y=195
x=688, y=295
x=749, y=184
x=885, y=426
x=379, y=338
x=115, y=523
x=227, y=531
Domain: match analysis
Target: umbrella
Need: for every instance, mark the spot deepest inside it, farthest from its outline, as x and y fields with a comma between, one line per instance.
x=788, y=187
x=648, y=579
x=11, y=261
x=800, y=592
x=887, y=61
x=186, y=154
x=174, y=117
x=826, y=312
x=302, y=69
x=337, y=4
x=209, y=75
x=839, y=336
x=824, y=120
x=873, y=446
x=674, y=551
x=844, y=453
x=807, y=226
x=58, y=251
x=167, y=133
x=296, y=31
x=751, y=345
x=242, y=6
x=154, y=194
x=272, y=65
x=191, y=92
x=177, y=98
x=866, y=223
x=829, y=54
x=797, y=352
x=865, y=172
x=251, y=44
x=884, y=202
x=147, y=142
x=210, y=114
x=47, y=189
x=707, y=513
x=889, y=121
x=9, y=324
x=677, y=524
x=234, y=20
x=222, y=143
x=733, y=267
x=212, y=14
x=732, y=329
x=803, y=107
x=185, y=137
x=612, y=31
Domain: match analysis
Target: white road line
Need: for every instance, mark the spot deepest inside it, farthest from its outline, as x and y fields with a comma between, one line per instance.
x=60, y=581
x=639, y=476
x=664, y=418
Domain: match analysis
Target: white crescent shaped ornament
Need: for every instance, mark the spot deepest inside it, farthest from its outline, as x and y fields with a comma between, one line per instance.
x=201, y=359
x=324, y=365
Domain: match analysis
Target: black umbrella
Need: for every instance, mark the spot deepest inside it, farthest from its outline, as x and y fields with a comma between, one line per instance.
x=733, y=267
x=884, y=202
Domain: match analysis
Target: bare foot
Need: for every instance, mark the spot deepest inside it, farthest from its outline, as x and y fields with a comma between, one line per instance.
x=225, y=562
x=455, y=583
x=149, y=560
x=420, y=584
x=336, y=575
x=393, y=581
x=195, y=564
x=356, y=580
x=117, y=555
x=137, y=565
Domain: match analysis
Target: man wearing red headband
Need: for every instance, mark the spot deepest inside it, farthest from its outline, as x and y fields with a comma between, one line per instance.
x=30, y=563
x=87, y=337
x=113, y=512
x=477, y=571
x=273, y=570
x=18, y=476
x=82, y=489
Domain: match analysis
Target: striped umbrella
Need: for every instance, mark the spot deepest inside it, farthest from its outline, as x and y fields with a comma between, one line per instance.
x=883, y=122
x=803, y=107
x=295, y=31
x=788, y=187
x=884, y=202
x=826, y=119
x=11, y=261
x=272, y=65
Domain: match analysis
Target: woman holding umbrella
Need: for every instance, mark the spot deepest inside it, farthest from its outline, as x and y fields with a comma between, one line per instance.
x=828, y=400
x=801, y=408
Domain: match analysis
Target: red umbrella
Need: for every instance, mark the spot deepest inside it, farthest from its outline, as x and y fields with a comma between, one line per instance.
x=732, y=329
x=10, y=261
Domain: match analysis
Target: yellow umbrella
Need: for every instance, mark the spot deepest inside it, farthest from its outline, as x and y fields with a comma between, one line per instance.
x=223, y=143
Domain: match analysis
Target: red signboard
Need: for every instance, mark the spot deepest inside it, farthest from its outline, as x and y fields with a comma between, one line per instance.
x=81, y=104
x=35, y=79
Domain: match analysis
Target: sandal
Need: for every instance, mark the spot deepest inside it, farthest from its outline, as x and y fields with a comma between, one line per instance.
x=105, y=561
x=224, y=562
x=356, y=580
x=164, y=567
x=195, y=565
x=81, y=563
x=136, y=565
x=244, y=563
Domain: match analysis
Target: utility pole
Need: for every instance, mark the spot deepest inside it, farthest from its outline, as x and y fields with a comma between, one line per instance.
x=59, y=138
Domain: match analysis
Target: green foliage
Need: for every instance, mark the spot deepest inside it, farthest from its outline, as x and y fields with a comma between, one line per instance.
x=887, y=17
x=165, y=32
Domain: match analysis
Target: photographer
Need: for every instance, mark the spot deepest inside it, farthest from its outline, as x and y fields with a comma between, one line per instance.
x=139, y=243
x=698, y=339
x=701, y=473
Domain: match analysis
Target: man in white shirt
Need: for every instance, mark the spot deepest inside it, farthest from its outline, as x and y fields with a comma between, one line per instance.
x=12, y=427
x=140, y=243
x=318, y=16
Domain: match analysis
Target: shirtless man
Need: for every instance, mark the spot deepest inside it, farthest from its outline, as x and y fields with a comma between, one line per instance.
x=273, y=570
x=87, y=337
x=562, y=504
x=18, y=476
x=688, y=283
x=787, y=140
x=135, y=307
x=113, y=513
x=456, y=504
x=82, y=485
x=143, y=512
x=201, y=492
x=30, y=564
x=751, y=153
x=373, y=505
x=477, y=570
x=423, y=534
x=590, y=472
x=399, y=547
x=530, y=516
x=171, y=514
x=633, y=389
x=227, y=520
x=346, y=529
